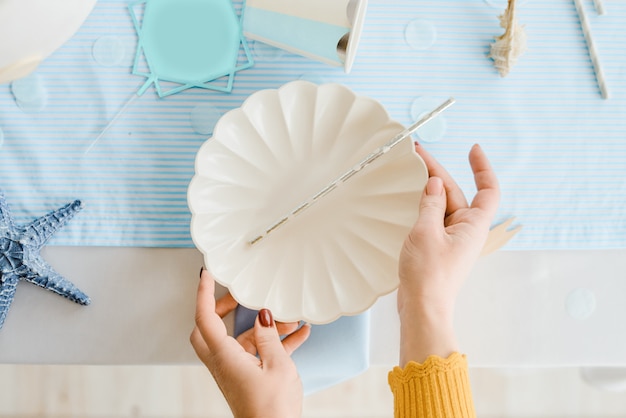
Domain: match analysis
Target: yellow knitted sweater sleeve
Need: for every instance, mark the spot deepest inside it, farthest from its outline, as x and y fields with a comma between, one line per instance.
x=438, y=388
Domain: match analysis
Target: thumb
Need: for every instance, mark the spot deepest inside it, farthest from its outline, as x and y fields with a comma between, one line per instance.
x=433, y=203
x=267, y=340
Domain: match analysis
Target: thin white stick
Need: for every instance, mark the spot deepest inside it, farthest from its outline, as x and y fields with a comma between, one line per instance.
x=111, y=122
x=592, y=49
x=599, y=7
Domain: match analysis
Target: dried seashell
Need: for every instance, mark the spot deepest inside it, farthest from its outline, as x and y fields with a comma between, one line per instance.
x=510, y=45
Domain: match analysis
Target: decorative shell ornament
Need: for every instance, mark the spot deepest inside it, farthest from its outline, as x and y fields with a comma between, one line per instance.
x=511, y=44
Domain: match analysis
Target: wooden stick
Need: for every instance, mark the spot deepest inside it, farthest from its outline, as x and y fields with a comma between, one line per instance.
x=499, y=235
x=592, y=49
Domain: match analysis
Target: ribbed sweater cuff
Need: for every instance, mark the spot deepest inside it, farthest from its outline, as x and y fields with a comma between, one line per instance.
x=438, y=388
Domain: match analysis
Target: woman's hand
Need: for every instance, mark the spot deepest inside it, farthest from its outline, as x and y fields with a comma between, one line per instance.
x=263, y=386
x=439, y=253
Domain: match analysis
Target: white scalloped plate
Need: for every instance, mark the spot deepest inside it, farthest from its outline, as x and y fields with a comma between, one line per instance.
x=271, y=154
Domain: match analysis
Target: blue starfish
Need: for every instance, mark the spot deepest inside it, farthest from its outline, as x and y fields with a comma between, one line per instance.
x=20, y=258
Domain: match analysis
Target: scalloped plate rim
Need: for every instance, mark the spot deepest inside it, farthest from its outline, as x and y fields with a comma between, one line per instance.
x=318, y=319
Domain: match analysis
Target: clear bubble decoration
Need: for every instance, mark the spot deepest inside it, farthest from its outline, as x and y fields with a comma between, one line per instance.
x=267, y=52
x=420, y=34
x=108, y=51
x=30, y=93
x=580, y=303
x=204, y=117
x=434, y=130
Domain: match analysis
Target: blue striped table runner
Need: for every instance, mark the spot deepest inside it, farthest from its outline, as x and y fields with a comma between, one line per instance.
x=559, y=149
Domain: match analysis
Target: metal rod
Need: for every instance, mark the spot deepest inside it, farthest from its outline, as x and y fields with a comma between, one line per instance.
x=354, y=170
x=599, y=7
x=591, y=46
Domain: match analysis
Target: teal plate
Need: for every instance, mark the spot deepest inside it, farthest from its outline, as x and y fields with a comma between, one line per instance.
x=188, y=42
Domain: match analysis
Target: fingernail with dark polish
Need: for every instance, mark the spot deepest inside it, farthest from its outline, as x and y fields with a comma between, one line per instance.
x=201, y=270
x=265, y=318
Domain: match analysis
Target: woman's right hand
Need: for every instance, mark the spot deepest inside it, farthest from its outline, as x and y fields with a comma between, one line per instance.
x=439, y=253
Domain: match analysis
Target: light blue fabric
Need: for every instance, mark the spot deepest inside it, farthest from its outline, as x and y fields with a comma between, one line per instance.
x=333, y=352
x=317, y=38
x=558, y=148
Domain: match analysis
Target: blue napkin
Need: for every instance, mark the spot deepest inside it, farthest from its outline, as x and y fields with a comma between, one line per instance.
x=333, y=352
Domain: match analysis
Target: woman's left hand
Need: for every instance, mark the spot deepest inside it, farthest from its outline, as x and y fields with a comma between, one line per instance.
x=263, y=386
